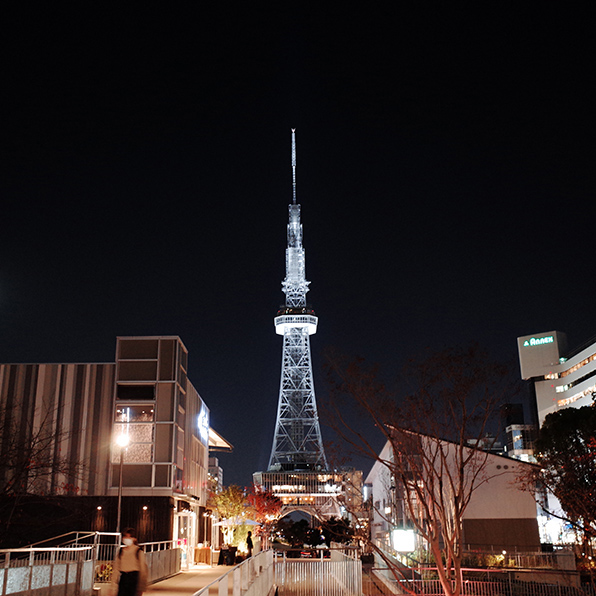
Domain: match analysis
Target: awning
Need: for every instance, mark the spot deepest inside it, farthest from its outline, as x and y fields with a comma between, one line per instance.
x=218, y=443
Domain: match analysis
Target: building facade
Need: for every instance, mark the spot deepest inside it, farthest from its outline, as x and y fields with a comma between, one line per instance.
x=560, y=378
x=500, y=514
x=71, y=419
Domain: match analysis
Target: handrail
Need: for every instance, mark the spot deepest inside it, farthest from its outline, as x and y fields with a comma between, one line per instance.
x=224, y=577
x=215, y=581
x=45, y=549
x=84, y=534
x=152, y=545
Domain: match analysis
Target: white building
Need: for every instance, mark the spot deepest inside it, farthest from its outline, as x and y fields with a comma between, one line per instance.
x=500, y=514
x=561, y=379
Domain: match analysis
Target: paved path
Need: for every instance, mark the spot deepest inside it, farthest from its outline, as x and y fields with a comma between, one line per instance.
x=188, y=582
x=184, y=583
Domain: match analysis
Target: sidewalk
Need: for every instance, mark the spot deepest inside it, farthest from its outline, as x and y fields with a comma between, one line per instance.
x=188, y=582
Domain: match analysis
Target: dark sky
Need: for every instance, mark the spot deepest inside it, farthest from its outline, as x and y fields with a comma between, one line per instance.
x=445, y=172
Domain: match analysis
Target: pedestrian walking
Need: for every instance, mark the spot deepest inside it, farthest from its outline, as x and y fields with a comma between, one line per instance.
x=129, y=570
x=249, y=544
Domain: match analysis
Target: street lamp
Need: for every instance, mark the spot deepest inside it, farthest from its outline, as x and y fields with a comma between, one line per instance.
x=122, y=441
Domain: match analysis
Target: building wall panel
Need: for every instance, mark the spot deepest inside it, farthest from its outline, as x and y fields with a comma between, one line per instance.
x=499, y=534
x=55, y=402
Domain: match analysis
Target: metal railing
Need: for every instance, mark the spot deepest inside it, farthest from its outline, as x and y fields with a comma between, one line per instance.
x=338, y=575
x=163, y=558
x=106, y=545
x=563, y=559
x=560, y=559
x=505, y=587
x=81, y=560
x=47, y=570
x=485, y=574
x=76, y=538
x=253, y=577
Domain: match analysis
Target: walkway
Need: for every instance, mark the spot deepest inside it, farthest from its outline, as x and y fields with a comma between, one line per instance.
x=188, y=582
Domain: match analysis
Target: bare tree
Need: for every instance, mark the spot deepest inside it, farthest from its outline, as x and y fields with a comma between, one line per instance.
x=30, y=454
x=431, y=425
x=32, y=463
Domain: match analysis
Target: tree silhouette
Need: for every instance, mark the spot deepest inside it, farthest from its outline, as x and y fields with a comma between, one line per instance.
x=566, y=450
x=338, y=530
x=443, y=404
x=32, y=464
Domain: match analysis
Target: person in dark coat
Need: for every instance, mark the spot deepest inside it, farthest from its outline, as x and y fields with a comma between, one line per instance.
x=249, y=544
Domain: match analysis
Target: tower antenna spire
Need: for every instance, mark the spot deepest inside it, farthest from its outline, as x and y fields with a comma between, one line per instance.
x=293, y=166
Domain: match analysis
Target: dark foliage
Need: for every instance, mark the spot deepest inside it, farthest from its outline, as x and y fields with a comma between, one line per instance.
x=567, y=455
x=337, y=530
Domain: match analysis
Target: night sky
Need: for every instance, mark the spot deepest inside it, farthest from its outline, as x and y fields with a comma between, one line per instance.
x=445, y=170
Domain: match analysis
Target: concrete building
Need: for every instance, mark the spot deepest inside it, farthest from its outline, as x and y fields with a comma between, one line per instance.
x=215, y=474
x=560, y=378
x=70, y=419
x=519, y=436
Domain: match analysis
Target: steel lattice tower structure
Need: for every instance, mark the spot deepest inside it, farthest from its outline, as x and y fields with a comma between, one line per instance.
x=297, y=443
x=298, y=471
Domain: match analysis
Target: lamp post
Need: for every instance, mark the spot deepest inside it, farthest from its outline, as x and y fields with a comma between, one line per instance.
x=206, y=516
x=122, y=440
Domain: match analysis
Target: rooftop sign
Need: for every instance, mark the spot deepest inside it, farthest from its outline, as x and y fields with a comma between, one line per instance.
x=539, y=341
x=539, y=353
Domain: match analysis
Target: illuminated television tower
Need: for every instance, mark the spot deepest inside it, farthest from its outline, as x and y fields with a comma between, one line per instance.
x=297, y=444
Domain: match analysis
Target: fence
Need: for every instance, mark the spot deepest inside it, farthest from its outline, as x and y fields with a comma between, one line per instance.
x=252, y=577
x=163, y=559
x=563, y=558
x=340, y=575
x=506, y=587
x=106, y=545
x=379, y=582
x=47, y=571
x=72, y=569
x=560, y=559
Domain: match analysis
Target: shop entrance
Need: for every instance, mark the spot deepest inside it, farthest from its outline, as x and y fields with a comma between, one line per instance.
x=185, y=534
